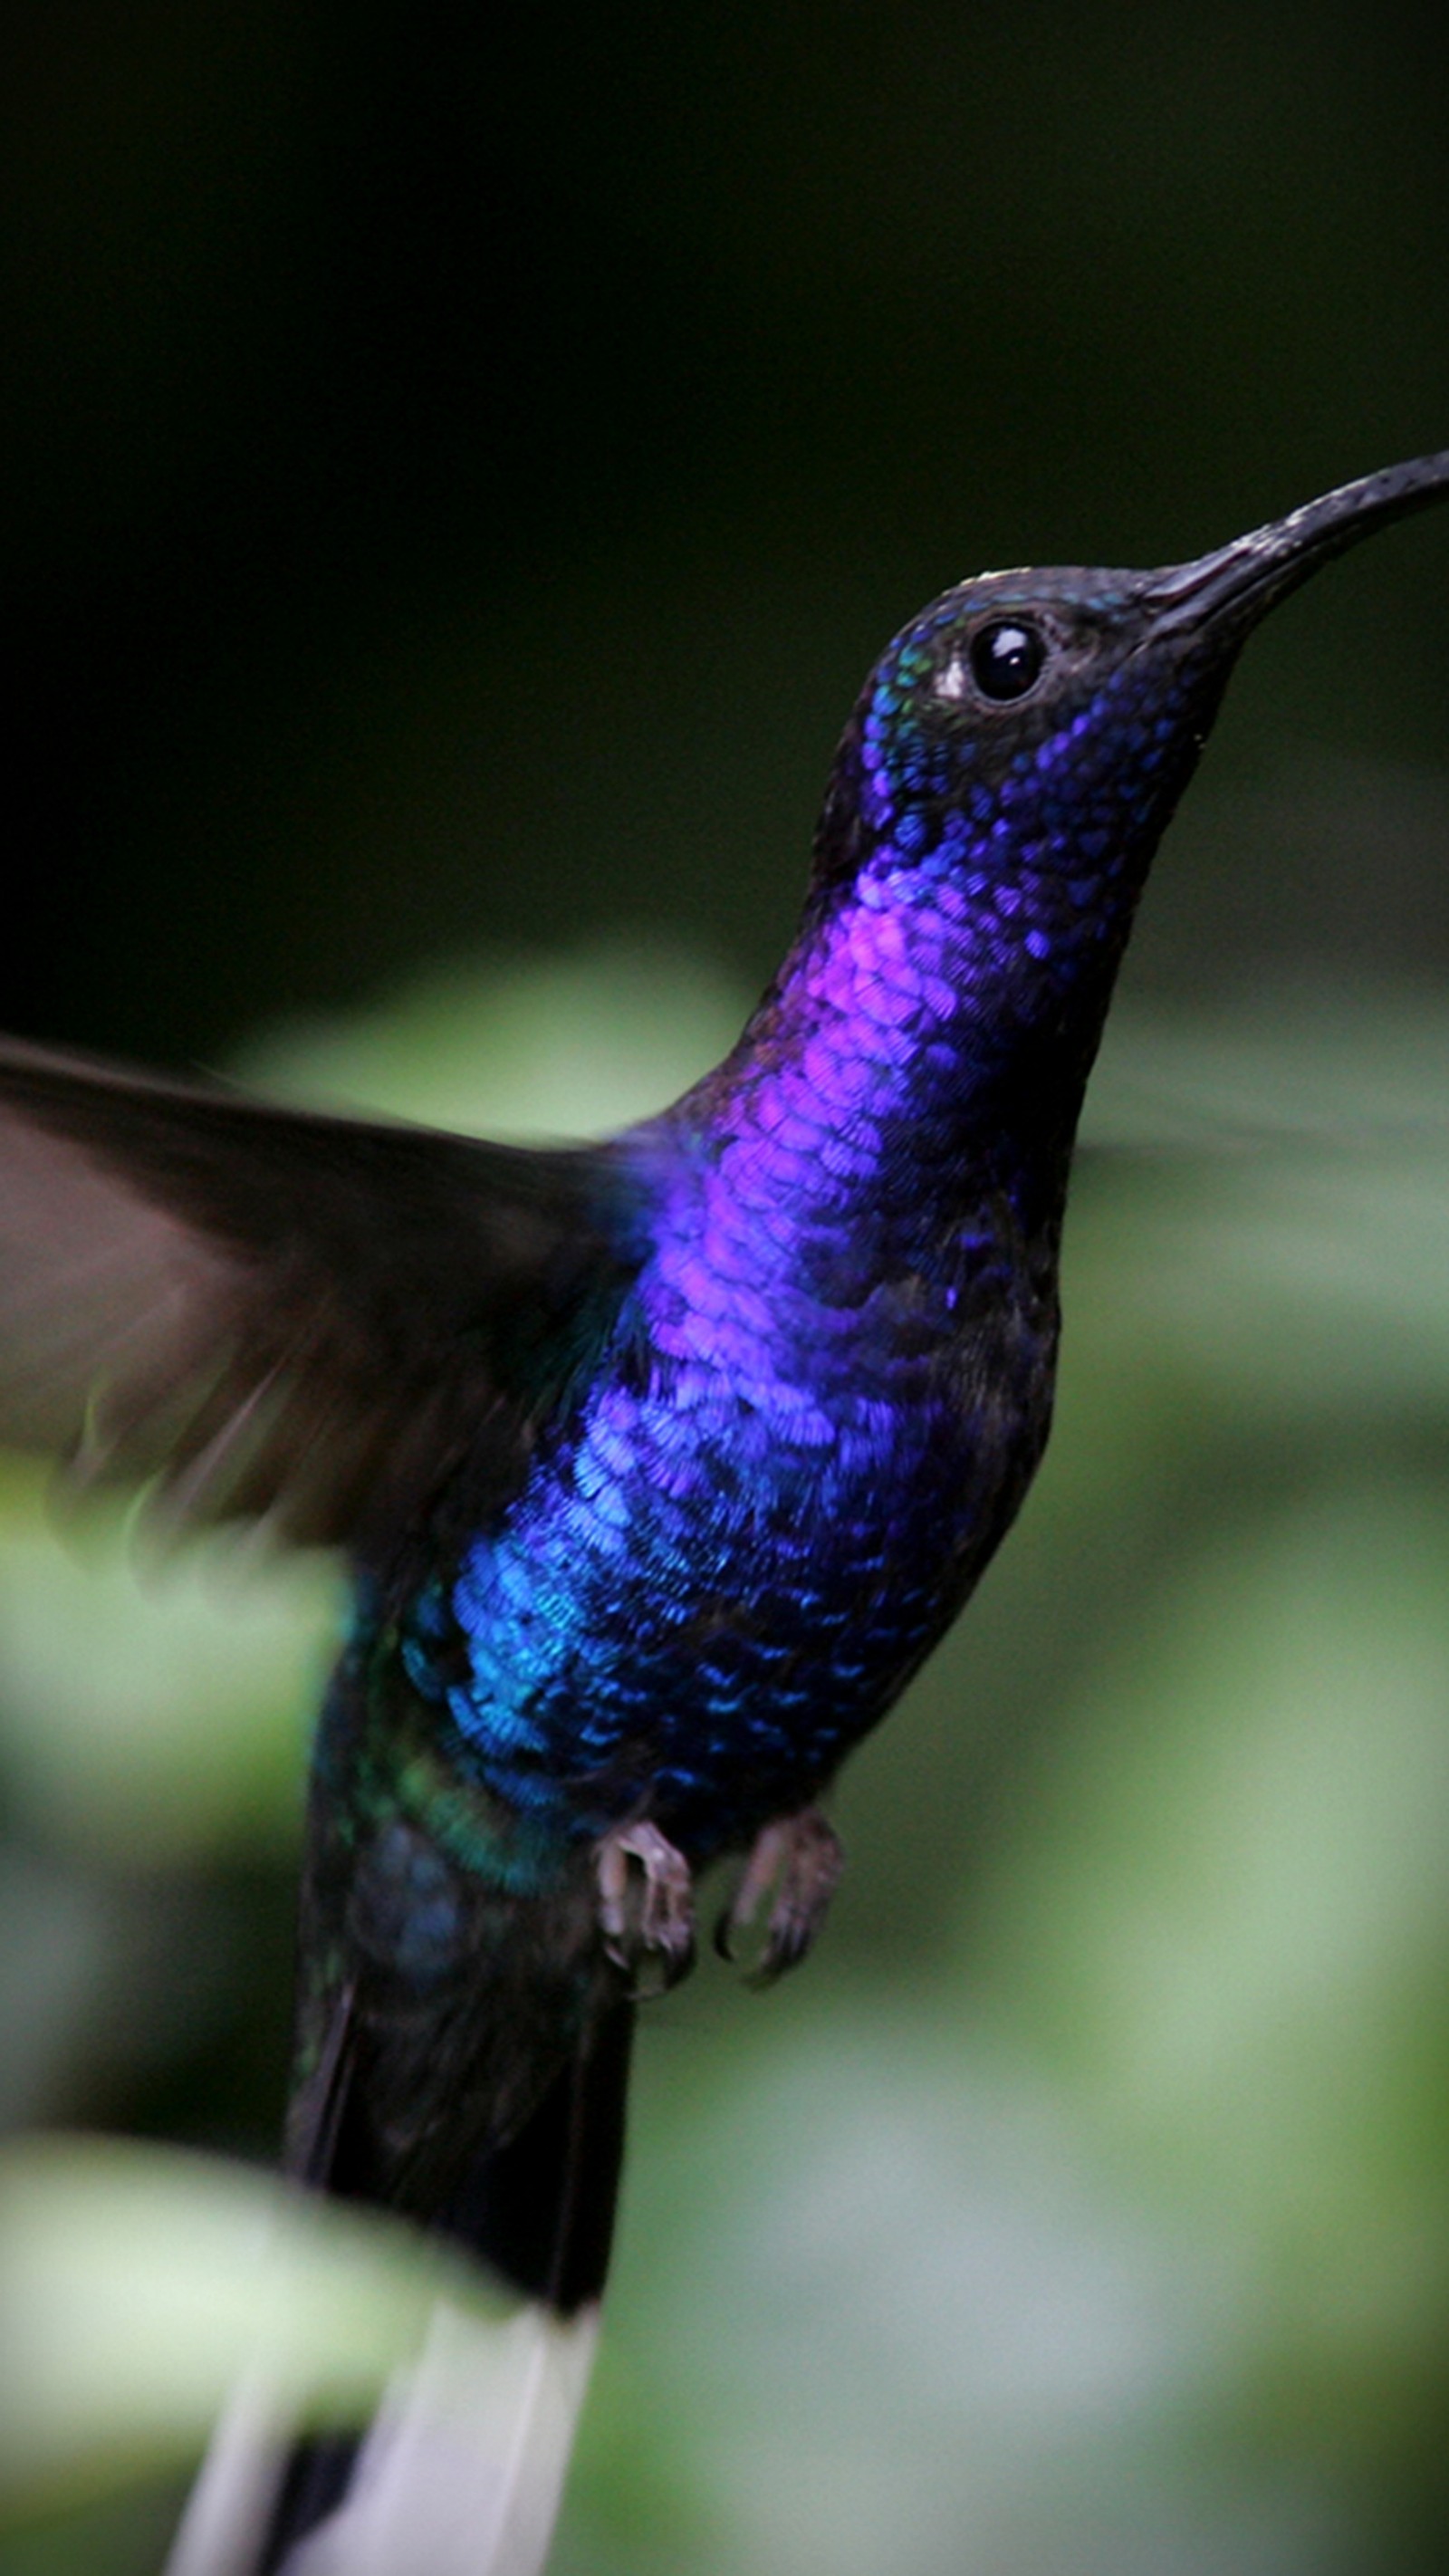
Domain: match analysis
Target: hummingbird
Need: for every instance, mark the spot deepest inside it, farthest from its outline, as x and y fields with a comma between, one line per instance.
x=660, y=1463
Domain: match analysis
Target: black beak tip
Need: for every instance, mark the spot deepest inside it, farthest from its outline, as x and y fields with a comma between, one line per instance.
x=1227, y=591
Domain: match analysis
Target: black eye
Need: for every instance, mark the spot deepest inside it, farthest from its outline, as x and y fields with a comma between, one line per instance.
x=1006, y=659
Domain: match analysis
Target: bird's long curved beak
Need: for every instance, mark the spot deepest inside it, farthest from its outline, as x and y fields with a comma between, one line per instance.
x=1230, y=589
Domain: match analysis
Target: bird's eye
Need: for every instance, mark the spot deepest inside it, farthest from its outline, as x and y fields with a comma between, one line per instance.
x=1006, y=659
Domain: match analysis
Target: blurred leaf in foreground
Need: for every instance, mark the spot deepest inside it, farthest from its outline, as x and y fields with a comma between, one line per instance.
x=136, y=2285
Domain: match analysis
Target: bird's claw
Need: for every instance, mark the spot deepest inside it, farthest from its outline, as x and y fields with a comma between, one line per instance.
x=797, y=1861
x=646, y=1914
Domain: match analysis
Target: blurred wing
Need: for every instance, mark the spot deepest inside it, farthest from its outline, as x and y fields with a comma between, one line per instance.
x=281, y=1313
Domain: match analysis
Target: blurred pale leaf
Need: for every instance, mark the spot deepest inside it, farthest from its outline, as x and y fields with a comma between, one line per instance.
x=136, y=2284
x=162, y=1716
x=549, y=1047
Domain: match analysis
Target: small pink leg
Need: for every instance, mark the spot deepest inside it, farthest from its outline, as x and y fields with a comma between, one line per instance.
x=647, y=1912
x=797, y=1861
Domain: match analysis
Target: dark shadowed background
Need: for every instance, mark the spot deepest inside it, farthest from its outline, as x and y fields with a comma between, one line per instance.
x=457, y=467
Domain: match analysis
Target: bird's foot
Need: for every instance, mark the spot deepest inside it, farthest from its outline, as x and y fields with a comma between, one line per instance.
x=796, y=1861
x=646, y=1914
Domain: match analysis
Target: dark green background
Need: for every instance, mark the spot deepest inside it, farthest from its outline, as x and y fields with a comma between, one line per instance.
x=462, y=460
x=458, y=467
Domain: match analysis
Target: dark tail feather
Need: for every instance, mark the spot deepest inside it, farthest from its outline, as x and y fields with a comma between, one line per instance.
x=538, y=2213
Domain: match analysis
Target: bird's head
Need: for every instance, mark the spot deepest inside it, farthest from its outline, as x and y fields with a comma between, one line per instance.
x=1028, y=735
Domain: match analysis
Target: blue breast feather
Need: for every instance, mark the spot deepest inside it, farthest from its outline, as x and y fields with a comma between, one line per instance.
x=831, y=1381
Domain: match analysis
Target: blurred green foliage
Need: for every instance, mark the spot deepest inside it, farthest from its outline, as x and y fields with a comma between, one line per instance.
x=455, y=473
x=1087, y=2203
